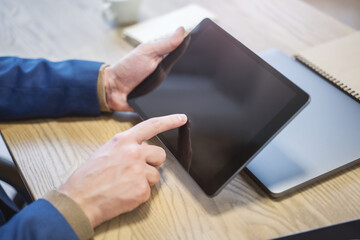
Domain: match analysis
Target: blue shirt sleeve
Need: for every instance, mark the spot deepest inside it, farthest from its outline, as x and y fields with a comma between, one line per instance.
x=36, y=88
x=39, y=220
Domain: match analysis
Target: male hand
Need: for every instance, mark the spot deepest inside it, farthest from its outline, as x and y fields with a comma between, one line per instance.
x=117, y=177
x=122, y=77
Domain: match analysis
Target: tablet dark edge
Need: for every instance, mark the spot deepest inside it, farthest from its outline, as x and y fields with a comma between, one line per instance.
x=284, y=117
x=218, y=187
x=258, y=59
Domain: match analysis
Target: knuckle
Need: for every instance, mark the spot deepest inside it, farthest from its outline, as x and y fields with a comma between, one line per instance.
x=162, y=155
x=121, y=137
x=133, y=152
x=138, y=170
x=143, y=190
x=117, y=137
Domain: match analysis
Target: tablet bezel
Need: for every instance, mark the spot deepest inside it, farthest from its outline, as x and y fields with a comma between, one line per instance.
x=225, y=175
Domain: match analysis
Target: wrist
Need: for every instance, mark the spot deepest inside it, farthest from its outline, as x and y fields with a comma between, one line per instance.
x=109, y=78
x=72, y=212
x=88, y=210
x=115, y=92
x=100, y=88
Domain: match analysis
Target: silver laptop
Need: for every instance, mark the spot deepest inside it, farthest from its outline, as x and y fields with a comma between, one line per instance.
x=322, y=139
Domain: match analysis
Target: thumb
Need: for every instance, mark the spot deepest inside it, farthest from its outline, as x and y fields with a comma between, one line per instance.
x=166, y=45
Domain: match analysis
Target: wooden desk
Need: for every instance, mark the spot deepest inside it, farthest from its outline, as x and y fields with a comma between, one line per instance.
x=48, y=151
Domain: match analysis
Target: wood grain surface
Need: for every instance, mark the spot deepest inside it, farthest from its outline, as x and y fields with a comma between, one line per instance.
x=48, y=151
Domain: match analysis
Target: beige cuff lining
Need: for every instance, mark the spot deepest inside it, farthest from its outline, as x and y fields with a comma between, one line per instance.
x=72, y=213
x=101, y=90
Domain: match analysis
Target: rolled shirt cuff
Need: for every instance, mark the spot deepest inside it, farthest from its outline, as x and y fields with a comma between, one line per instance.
x=73, y=214
x=101, y=90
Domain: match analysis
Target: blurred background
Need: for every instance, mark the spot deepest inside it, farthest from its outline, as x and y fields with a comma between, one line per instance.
x=41, y=28
x=346, y=11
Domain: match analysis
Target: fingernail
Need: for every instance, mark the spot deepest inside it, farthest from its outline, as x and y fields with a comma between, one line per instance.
x=182, y=117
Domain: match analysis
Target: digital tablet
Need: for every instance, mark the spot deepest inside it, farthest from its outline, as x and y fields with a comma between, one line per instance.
x=234, y=100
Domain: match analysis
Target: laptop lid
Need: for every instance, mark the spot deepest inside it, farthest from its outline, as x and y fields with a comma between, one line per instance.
x=323, y=138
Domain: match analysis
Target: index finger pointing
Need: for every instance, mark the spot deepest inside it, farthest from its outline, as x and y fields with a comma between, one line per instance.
x=153, y=126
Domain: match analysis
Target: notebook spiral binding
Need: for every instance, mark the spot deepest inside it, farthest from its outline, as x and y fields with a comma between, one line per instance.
x=329, y=78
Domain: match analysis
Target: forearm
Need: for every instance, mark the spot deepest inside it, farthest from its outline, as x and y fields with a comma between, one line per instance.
x=33, y=88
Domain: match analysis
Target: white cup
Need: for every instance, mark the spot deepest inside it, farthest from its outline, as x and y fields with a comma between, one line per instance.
x=121, y=12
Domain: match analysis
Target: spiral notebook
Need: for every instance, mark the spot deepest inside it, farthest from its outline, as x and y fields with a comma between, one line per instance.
x=338, y=62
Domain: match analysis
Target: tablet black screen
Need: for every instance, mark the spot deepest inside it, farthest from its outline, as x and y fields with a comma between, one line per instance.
x=234, y=101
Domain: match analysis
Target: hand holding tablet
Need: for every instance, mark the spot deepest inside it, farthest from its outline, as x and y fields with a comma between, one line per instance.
x=235, y=103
